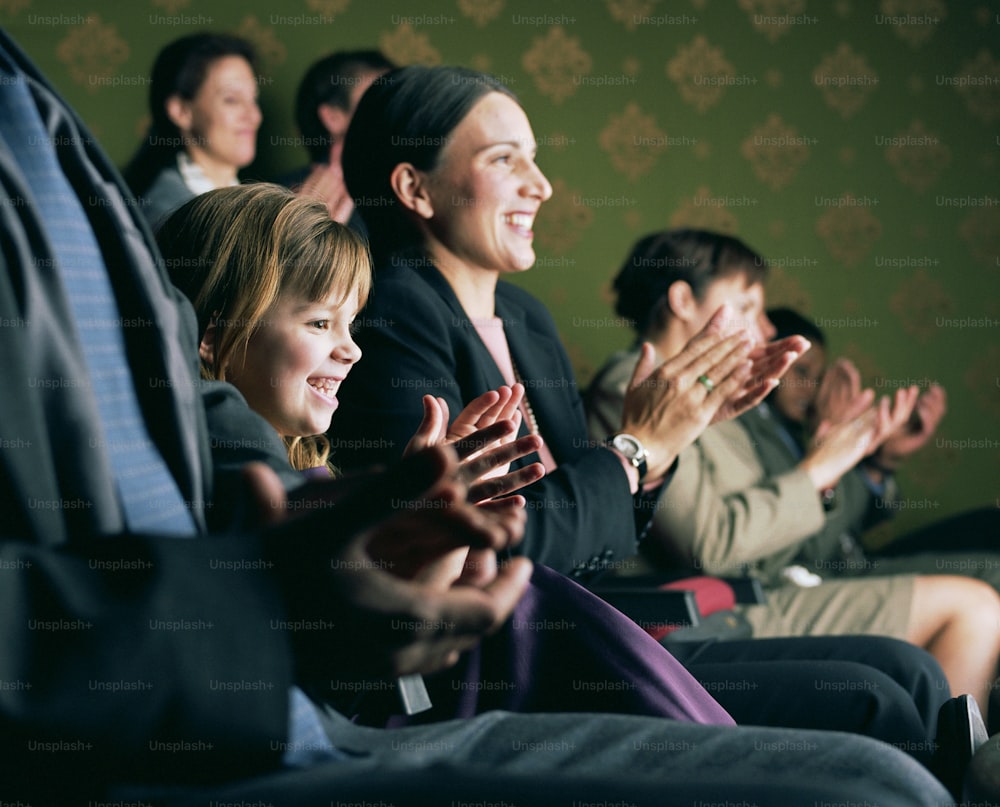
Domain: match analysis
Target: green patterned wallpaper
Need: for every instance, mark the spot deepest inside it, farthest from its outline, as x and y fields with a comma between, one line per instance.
x=854, y=142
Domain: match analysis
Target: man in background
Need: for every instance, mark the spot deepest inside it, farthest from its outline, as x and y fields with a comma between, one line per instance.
x=324, y=104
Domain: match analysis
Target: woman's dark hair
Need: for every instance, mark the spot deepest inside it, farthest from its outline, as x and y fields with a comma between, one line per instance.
x=660, y=259
x=330, y=81
x=180, y=69
x=788, y=322
x=407, y=115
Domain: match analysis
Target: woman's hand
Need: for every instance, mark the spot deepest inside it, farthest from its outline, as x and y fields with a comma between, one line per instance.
x=667, y=407
x=770, y=362
x=894, y=415
x=838, y=447
x=852, y=427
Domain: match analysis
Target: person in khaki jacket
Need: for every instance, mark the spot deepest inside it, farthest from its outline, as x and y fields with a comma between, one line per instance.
x=963, y=543
x=723, y=514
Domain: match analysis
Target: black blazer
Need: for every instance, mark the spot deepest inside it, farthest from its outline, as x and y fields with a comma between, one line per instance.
x=416, y=339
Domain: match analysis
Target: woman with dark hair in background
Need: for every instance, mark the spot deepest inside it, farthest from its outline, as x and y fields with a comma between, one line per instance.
x=203, y=103
x=793, y=400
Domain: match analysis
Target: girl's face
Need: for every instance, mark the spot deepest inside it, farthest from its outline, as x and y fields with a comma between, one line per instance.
x=486, y=190
x=295, y=362
x=794, y=396
x=746, y=301
x=223, y=117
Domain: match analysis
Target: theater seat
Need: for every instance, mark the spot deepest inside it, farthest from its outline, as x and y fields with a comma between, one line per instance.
x=682, y=609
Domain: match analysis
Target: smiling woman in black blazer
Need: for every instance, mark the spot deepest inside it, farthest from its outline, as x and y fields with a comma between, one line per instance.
x=441, y=164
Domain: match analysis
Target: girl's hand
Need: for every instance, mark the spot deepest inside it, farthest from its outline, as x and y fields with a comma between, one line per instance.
x=484, y=434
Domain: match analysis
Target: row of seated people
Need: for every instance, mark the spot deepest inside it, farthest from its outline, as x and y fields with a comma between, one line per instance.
x=560, y=528
x=784, y=491
x=440, y=319
x=330, y=566
x=325, y=124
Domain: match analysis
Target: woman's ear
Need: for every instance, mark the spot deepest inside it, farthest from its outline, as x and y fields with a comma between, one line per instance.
x=206, y=349
x=410, y=186
x=179, y=112
x=681, y=301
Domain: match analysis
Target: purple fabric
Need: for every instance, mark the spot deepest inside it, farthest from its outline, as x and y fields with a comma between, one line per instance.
x=563, y=650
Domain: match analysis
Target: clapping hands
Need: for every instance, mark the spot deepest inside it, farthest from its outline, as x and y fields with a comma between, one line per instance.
x=850, y=425
x=484, y=436
x=354, y=570
x=715, y=377
x=911, y=433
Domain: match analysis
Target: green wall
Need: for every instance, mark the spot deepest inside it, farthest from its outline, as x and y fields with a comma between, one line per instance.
x=856, y=143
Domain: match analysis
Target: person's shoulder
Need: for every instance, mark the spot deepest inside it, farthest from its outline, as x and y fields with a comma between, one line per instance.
x=226, y=409
x=238, y=434
x=400, y=280
x=168, y=180
x=403, y=298
x=617, y=370
x=165, y=194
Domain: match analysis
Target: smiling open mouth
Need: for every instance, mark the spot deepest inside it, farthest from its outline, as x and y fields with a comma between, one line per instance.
x=326, y=387
x=520, y=221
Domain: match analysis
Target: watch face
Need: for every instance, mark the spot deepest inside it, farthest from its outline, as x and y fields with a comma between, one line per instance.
x=628, y=445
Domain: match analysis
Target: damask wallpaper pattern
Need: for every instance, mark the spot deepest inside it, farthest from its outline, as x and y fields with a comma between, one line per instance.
x=855, y=143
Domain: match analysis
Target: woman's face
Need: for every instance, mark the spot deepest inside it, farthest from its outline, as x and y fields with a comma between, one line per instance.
x=746, y=300
x=794, y=396
x=222, y=119
x=485, y=192
x=295, y=362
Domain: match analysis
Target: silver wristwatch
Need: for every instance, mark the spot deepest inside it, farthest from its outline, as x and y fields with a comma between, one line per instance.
x=632, y=450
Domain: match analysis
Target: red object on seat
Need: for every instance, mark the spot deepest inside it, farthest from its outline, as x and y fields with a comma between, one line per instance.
x=710, y=593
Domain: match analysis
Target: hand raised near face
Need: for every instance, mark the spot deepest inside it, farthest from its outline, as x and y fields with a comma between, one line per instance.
x=326, y=183
x=893, y=414
x=667, y=407
x=836, y=447
x=770, y=362
x=839, y=446
x=913, y=434
x=840, y=396
x=350, y=578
